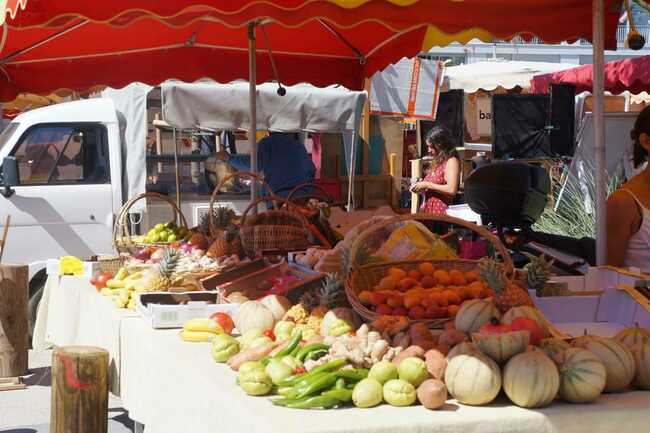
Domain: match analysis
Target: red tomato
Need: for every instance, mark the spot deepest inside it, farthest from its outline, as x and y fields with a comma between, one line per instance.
x=100, y=281
x=224, y=321
x=269, y=333
x=299, y=370
x=528, y=324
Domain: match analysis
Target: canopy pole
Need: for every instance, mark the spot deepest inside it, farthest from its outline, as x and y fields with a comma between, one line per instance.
x=252, y=98
x=598, y=71
x=177, y=172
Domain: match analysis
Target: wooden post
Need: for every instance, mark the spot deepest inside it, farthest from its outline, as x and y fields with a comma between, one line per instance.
x=416, y=173
x=79, y=390
x=365, y=129
x=14, y=327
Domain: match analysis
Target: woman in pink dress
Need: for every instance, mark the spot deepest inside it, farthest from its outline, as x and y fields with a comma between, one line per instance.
x=440, y=183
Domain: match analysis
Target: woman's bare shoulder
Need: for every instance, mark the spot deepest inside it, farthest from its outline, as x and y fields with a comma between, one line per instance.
x=621, y=201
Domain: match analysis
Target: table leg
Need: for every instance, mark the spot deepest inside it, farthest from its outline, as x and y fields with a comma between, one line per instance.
x=138, y=427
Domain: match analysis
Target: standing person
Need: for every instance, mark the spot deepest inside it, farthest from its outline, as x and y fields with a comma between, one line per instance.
x=285, y=163
x=440, y=184
x=628, y=208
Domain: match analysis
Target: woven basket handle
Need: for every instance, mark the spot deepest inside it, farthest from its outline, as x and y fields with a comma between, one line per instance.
x=215, y=193
x=278, y=203
x=319, y=188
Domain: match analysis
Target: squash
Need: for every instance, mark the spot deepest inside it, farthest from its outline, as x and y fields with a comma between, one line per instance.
x=474, y=314
x=582, y=376
x=463, y=348
x=348, y=315
x=618, y=362
x=531, y=313
x=278, y=305
x=503, y=346
x=473, y=379
x=554, y=347
x=253, y=315
x=633, y=336
x=641, y=354
x=531, y=379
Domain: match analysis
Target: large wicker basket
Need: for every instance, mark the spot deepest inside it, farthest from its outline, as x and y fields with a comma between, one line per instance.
x=367, y=276
x=122, y=237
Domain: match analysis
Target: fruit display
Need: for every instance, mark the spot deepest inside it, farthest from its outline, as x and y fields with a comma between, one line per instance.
x=531, y=379
x=500, y=342
x=473, y=379
x=163, y=233
x=582, y=376
x=618, y=361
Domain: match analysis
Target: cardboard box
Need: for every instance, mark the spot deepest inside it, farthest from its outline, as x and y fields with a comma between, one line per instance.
x=171, y=310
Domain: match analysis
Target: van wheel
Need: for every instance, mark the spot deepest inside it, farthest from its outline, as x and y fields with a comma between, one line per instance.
x=36, y=294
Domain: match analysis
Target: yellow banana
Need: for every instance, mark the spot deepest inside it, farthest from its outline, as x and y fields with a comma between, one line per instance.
x=202, y=325
x=135, y=276
x=196, y=336
x=106, y=291
x=121, y=274
x=115, y=284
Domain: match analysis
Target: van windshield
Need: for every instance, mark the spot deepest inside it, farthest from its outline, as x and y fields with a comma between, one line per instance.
x=7, y=133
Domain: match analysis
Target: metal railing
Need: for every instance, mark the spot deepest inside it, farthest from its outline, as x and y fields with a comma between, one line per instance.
x=621, y=34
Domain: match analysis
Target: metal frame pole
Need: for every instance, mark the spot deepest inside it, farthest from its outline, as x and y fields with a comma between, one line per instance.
x=599, y=130
x=252, y=97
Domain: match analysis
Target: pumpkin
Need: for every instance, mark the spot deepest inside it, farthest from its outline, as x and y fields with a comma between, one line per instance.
x=501, y=346
x=463, y=348
x=641, y=354
x=278, y=305
x=618, y=362
x=531, y=379
x=633, y=336
x=531, y=313
x=253, y=315
x=474, y=314
x=582, y=376
x=554, y=347
x=473, y=379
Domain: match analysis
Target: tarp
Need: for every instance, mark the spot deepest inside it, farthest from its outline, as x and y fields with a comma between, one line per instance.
x=492, y=74
x=410, y=87
x=225, y=106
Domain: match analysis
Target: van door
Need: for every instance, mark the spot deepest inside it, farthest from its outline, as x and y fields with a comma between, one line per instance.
x=63, y=203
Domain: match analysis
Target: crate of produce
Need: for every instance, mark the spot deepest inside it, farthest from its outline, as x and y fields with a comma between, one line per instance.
x=171, y=310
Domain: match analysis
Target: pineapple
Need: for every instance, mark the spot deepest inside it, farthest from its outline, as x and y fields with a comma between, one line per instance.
x=506, y=293
x=161, y=281
x=537, y=274
x=332, y=294
x=222, y=216
x=309, y=301
x=345, y=262
x=232, y=236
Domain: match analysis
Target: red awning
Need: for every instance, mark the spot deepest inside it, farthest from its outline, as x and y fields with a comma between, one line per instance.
x=631, y=75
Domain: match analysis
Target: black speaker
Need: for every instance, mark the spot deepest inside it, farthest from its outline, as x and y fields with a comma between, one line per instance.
x=519, y=126
x=562, y=119
x=450, y=114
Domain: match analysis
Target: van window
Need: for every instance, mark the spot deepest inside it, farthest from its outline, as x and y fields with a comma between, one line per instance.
x=63, y=154
x=7, y=133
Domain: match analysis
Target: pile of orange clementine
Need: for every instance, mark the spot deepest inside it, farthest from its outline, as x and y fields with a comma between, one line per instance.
x=424, y=292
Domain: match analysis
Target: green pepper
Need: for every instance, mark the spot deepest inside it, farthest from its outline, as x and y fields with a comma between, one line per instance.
x=265, y=361
x=318, y=384
x=343, y=395
x=316, y=354
x=295, y=350
x=315, y=402
x=355, y=374
x=288, y=348
x=340, y=383
x=302, y=353
x=333, y=365
x=298, y=386
x=285, y=401
x=283, y=391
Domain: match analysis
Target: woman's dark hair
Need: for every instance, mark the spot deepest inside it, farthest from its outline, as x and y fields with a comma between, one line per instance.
x=641, y=125
x=440, y=138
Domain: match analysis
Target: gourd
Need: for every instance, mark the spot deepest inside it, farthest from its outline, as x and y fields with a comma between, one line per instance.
x=473, y=379
x=278, y=305
x=253, y=315
x=633, y=336
x=531, y=313
x=641, y=354
x=531, y=379
x=618, y=362
x=463, y=348
x=474, y=314
x=501, y=347
x=554, y=347
x=582, y=376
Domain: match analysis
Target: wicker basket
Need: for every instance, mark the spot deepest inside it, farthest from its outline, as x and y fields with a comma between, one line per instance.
x=111, y=264
x=122, y=238
x=366, y=277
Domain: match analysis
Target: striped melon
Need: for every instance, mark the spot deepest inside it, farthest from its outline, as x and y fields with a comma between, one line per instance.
x=473, y=379
x=582, y=376
x=531, y=379
x=474, y=314
x=501, y=347
x=641, y=354
x=618, y=362
x=554, y=347
x=531, y=313
x=463, y=348
x=633, y=336
x=583, y=339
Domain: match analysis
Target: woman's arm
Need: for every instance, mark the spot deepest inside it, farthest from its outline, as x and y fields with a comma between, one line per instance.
x=452, y=172
x=622, y=218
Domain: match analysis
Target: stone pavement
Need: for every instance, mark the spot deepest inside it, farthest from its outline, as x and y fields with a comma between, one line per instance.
x=28, y=410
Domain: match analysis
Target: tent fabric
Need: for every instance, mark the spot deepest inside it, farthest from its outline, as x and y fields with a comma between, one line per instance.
x=225, y=106
x=10, y=8
x=489, y=75
x=631, y=75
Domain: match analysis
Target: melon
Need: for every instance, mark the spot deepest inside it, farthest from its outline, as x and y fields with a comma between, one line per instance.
x=502, y=346
x=633, y=336
x=582, y=376
x=531, y=379
x=618, y=361
x=641, y=354
x=463, y=348
x=554, y=347
x=474, y=314
x=583, y=339
x=531, y=313
x=473, y=379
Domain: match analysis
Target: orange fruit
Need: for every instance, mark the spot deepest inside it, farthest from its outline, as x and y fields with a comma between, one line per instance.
x=452, y=297
x=475, y=290
x=457, y=277
x=428, y=301
x=400, y=311
x=426, y=268
x=384, y=310
x=435, y=312
x=406, y=283
x=388, y=283
x=427, y=281
x=395, y=301
x=415, y=274
x=397, y=273
x=364, y=297
x=412, y=299
x=471, y=276
x=440, y=299
x=452, y=310
x=442, y=277
x=449, y=325
x=417, y=312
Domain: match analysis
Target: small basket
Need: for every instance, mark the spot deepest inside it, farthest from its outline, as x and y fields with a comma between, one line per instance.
x=367, y=276
x=111, y=264
x=122, y=238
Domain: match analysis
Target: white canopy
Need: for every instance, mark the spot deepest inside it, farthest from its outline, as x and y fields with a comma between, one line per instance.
x=226, y=106
x=491, y=74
